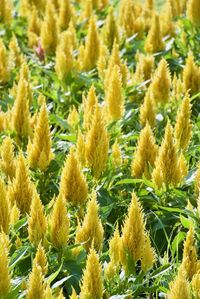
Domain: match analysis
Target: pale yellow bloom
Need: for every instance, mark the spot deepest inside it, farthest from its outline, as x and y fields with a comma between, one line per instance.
x=7, y=161
x=91, y=230
x=21, y=189
x=114, y=95
x=154, y=41
x=4, y=209
x=37, y=223
x=193, y=11
x=96, y=145
x=73, y=185
x=145, y=154
x=5, y=277
x=92, y=282
x=183, y=127
x=39, y=150
x=59, y=223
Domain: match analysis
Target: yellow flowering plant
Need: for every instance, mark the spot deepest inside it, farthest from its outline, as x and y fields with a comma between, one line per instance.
x=99, y=149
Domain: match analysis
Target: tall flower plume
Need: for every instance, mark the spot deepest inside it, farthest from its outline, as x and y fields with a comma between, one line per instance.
x=5, y=277
x=133, y=238
x=92, y=282
x=183, y=127
x=65, y=14
x=161, y=83
x=148, y=110
x=59, y=223
x=114, y=96
x=7, y=161
x=110, y=29
x=73, y=185
x=49, y=29
x=179, y=287
x=91, y=230
x=4, y=209
x=167, y=170
x=37, y=223
x=193, y=12
x=20, y=112
x=145, y=154
x=21, y=189
x=154, y=41
x=97, y=143
x=189, y=260
x=5, y=64
x=6, y=11
x=89, y=104
x=115, y=60
x=64, y=56
x=39, y=151
x=91, y=51
x=41, y=259
x=36, y=285
x=191, y=75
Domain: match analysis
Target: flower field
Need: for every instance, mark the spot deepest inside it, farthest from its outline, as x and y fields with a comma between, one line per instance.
x=99, y=149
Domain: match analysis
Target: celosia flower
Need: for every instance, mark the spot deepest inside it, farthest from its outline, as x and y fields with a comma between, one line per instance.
x=91, y=230
x=73, y=185
x=89, y=105
x=92, y=282
x=4, y=209
x=133, y=236
x=7, y=161
x=37, y=224
x=36, y=285
x=116, y=155
x=196, y=286
x=5, y=277
x=114, y=96
x=189, y=260
x=115, y=60
x=49, y=29
x=193, y=12
x=20, y=112
x=21, y=189
x=59, y=223
x=154, y=41
x=64, y=56
x=161, y=83
x=167, y=170
x=96, y=145
x=191, y=75
x=41, y=259
x=179, y=288
x=110, y=29
x=6, y=11
x=65, y=14
x=144, y=68
x=145, y=154
x=39, y=150
x=5, y=66
x=183, y=127
x=148, y=110
x=92, y=46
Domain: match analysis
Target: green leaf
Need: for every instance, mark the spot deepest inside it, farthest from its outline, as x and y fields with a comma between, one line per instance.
x=119, y=297
x=20, y=256
x=60, y=282
x=185, y=222
x=129, y=181
x=177, y=240
x=161, y=270
x=54, y=275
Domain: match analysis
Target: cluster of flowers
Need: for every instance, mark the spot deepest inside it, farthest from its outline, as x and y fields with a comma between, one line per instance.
x=52, y=32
